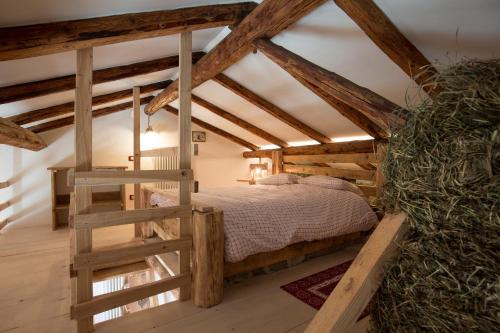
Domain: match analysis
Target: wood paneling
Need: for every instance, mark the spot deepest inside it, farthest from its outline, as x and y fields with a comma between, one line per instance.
x=14, y=135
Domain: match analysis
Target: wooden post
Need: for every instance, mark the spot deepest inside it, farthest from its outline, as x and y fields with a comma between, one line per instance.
x=136, y=93
x=185, y=55
x=277, y=158
x=208, y=258
x=379, y=175
x=83, y=162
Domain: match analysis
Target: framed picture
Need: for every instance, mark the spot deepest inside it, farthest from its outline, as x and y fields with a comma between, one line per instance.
x=199, y=136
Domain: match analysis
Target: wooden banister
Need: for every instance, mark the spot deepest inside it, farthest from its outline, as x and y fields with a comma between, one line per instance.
x=358, y=285
x=95, y=178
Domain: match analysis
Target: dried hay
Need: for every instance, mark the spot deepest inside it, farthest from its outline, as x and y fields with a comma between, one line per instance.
x=442, y=169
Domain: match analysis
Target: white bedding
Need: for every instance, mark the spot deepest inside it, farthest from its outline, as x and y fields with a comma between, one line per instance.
x=261, y=218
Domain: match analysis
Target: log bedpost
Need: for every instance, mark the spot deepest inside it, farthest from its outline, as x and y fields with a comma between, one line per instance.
x=208, y=258
x=379, y=175
x=277, y=159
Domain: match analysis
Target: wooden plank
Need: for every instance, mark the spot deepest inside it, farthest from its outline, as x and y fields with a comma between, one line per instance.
x=4, y=205
x=136, y=95
x=208, y=258
x=270, y=108
x=4, y=223
x=268, y=19
x=46, y=38
x=215, y=130
x=372, y=105
x=332, y=158
x=184, y=121
x=379, y=175
x=106, y=273
x=83, y=163
x=368, y=191
x=329, y=171
x=39, y=88
x=364, y=146
x=355, y=116
x=373, y=21
x=14, y=135
x=119, y=177
x=67, y=108
x=106, y=219
x=4, y=185
x=115, y=299
x=105, y=258
x=277, y=160
x=264, y=259
x=358, y=285
x=239, y=122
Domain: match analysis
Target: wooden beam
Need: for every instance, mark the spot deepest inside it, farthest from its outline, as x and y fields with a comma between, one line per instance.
x=214, y=129
x=372, y=105
x=277, y=159
x=46, y=38
x=4, y=184
x=240, y=122
x=4, y=205
x=332, y=158
x=355, y=116
x=373, y=21
x=364, y=146
x=270, y=108
x=27, y=90
x=14, y=135
x=50, y=125
x=329, y=171
x=67, y=108
x=358, y=285
x=118, y=177
x=268, y=19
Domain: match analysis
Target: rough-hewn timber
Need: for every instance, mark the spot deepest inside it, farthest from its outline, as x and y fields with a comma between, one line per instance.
x=14, y=135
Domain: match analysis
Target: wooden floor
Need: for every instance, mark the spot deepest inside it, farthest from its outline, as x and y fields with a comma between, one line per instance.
x=34, y=291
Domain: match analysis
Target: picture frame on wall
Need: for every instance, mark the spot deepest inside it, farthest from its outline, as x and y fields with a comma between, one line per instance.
x=199, y=136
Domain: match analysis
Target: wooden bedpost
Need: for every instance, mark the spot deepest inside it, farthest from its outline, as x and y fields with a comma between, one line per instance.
x=277, y=159
x=208, y=258
x=185, y=58
x=379, y=175
x=83, y=162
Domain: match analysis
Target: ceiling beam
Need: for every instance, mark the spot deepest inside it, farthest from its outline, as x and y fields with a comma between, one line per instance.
x=238, y=121
x=67, y=108
x=64, y=83
x=215, y=130
x=373, y=21
x=41, y=39
x=14, y=135
x=270, y=108
x=372, y=105
x=268, y=19
x=364, y=146
x=356, y=117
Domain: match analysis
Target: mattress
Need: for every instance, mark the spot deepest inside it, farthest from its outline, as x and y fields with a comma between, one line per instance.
x=262, y=218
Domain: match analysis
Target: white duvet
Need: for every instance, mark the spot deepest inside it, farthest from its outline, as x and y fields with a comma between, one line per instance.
x=261, y=218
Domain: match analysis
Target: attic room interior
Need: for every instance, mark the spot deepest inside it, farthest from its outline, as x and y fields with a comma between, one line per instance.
x=231, y=166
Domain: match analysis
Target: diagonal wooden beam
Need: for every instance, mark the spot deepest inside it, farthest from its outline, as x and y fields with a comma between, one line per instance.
x=238, y=121
x=356, y=117
x=374, y=106
x=270, y=108
x=14, y=135
x=215, y=130
x=47, y=38
x=67, y=108
x=64, y=83
x=373, y=21
x=268, y=19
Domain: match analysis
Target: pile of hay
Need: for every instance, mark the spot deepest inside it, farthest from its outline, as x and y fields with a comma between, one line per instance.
x=443, y=170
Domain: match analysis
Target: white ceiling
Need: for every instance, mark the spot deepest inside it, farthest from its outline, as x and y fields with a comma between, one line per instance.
x=444, y=30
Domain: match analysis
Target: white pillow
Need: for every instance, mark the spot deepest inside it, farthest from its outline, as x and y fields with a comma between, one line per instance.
x=279, y=179
x=332, y=183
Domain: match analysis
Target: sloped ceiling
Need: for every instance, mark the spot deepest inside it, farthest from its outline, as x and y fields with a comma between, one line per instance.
x=444, y=30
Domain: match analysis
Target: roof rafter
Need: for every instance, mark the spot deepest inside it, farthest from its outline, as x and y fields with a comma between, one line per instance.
x=238, y=121
x=27, y=90
x=270, y=108
x=67, y=108
x=41, y=39
x=14, y=135
x=268, y=19
x=372, y=105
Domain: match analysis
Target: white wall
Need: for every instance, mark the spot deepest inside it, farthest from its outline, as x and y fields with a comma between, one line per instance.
x=219, y=163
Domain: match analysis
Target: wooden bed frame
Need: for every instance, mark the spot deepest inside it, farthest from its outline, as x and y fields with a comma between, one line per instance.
x=209, y=268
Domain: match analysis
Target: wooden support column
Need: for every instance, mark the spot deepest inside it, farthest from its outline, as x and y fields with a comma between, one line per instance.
x=379, y=175
x=184, y=118
x=277, y=158
x=136, y=93
x=83, y=162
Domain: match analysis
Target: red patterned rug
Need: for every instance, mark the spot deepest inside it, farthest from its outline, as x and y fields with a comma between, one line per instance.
x=315, y=289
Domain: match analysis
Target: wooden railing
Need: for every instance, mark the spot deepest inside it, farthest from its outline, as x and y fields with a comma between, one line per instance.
x=358, y=285
x=4, y=205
